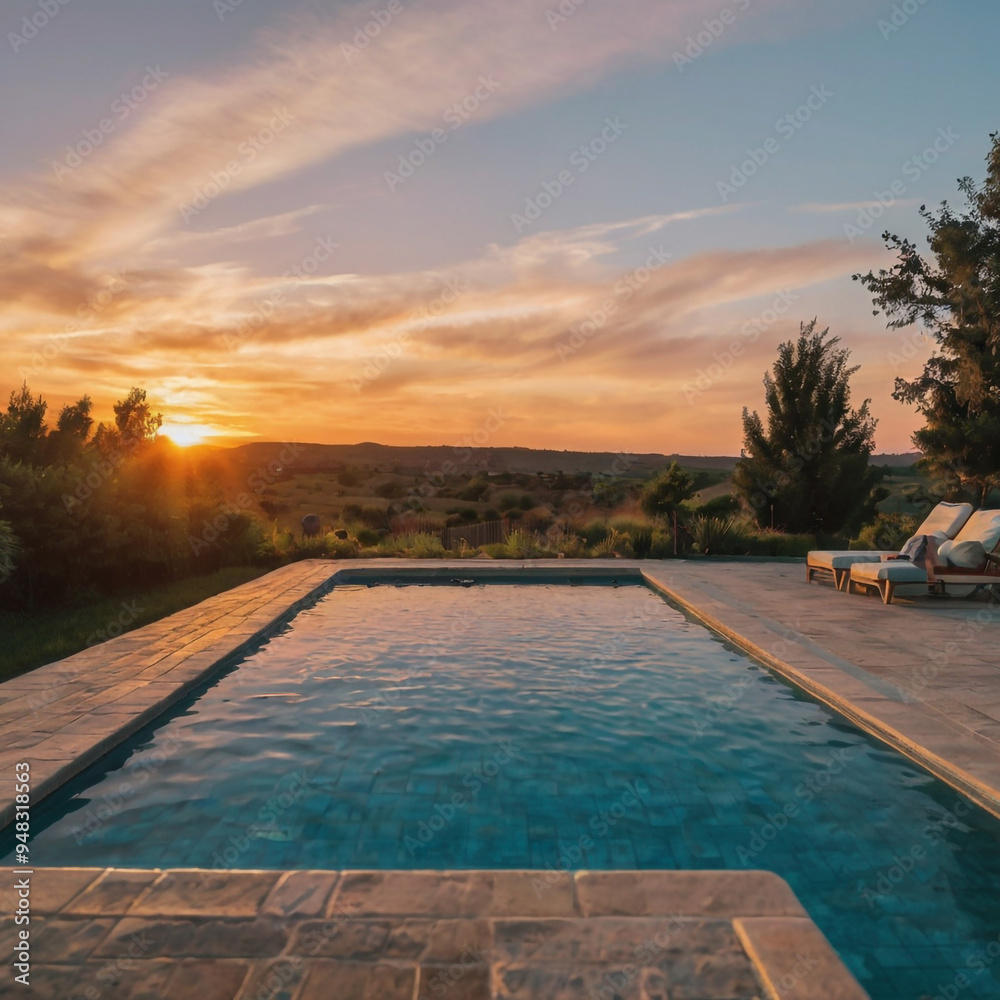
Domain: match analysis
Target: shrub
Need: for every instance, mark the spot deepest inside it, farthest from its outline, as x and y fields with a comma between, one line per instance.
x=373, y=517
x=779, y=543
x=594, y=532
x=718, y=536
x=724, y=506
x=887, y=532
x=368, y=536
x=509, y=501
x=351, y=512
x=663, y=494
x=614, y=543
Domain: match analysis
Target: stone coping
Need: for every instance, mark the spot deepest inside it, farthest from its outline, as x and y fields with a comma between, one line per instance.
x=411, y=935
x=64, y=716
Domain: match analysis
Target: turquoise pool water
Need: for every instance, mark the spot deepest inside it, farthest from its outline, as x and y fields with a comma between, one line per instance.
x=547, y=726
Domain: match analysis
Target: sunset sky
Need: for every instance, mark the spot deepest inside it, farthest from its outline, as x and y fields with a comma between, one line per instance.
x=285, y=228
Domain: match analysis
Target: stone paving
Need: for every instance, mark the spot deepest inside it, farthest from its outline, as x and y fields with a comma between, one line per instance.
x=922, y=674
x=478, y=935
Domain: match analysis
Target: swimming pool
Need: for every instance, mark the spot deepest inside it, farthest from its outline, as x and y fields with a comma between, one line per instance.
x=546, y=726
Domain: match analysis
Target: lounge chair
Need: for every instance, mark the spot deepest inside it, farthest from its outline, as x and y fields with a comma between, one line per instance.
x=972, y=558
x=944, y=522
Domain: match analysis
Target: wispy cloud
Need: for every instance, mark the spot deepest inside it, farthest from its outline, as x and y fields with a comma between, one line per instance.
x=821, y=208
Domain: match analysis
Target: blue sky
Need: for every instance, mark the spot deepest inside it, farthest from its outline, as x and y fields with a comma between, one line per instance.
x=208, y=318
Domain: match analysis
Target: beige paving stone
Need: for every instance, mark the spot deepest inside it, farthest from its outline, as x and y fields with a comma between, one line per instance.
x=455, y=982
x=301, y=894
x=113, y=893
x=440, y=894
x=327, y=979
x=533, y=894
x=685, y=894
x=196, y=938
x=362, y=939
x=274, y=979
x=440, y=942
x=794, y=959
x=64, y=939
x=205, y=893
x=53, y=888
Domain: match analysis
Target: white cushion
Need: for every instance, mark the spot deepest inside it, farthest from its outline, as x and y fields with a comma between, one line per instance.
x=966, y=555
x=945, y=519
x=983, y=527
x=895, y=570
x=843, y=559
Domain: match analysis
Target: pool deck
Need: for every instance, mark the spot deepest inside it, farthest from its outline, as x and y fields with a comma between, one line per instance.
x=475, y=935
x=922, y=674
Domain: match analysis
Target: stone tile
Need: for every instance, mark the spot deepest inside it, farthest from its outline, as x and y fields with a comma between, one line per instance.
x=611, y=940
x=796, y=961
x=276, y=979
x=455, y=982
x=301, y=894
x=69, y=940
x=441, y=941
x=362, y=939
x=203, y=893
x=401, y=893
x=685, y=893
x=113, y=893
x=161, y=938
x=53, y=888
x=215, y=980
x=533, y=894
x=326, y=980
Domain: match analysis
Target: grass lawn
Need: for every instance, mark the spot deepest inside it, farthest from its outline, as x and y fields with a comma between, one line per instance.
x=28, y=641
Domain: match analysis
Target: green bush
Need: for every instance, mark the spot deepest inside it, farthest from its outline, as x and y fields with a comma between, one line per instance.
x=888, y=532
x=779, y=543
x=724, y=506
x=594, y=532
x=368, y=536
x=718, y=536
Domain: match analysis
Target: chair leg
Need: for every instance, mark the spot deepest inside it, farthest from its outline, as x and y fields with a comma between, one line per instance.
x=841, y=578
x=809, y=573
x=887, y=589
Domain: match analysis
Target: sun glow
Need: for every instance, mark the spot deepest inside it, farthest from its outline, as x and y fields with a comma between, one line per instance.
x=185, y=435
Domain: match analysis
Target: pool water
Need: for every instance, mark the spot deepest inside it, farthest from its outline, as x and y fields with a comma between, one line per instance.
x=548, y=727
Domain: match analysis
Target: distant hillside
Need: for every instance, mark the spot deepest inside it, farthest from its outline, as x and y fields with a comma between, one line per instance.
x=326, y=457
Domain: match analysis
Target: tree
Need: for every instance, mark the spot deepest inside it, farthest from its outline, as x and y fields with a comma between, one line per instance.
x=808, y=471
x=666, y=491
x=135, y=424
x=956, y=297
x=22, y=427
x=608, y=494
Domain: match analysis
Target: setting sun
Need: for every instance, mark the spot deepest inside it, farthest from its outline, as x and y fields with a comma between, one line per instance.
x=185, y=435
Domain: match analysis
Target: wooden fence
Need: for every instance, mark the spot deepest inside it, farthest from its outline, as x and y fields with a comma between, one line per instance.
x=474, y=535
